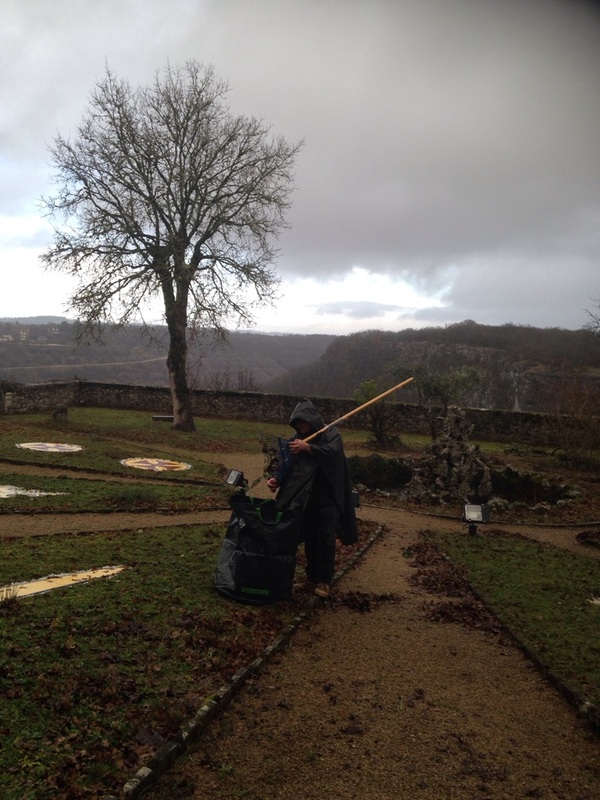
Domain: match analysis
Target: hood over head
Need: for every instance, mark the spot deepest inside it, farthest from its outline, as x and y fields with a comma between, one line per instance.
x=305, y=410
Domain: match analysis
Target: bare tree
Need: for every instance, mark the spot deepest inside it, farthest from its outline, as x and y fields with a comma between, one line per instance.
x=163, y=192
x=572, y=408
x=382, y=419
x=593, y=323
x=437, y=391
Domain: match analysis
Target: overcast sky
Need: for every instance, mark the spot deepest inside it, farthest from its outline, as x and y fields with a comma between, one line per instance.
x=451, y=167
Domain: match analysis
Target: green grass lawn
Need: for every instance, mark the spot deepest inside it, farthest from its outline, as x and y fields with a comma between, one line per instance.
x=69, y=495
x=107, y=436
x=95, y=677
x=542, y=594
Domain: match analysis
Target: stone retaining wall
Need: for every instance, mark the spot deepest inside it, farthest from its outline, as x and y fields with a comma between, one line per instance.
x=494, y=425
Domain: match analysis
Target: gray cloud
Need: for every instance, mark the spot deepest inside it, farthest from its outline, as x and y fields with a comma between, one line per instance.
x=357, y=309
x=449, y=142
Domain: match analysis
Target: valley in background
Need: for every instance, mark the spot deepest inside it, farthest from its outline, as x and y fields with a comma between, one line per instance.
x=522, y=368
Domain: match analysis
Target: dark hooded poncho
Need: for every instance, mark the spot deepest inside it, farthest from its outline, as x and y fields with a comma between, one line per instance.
x=325, y=462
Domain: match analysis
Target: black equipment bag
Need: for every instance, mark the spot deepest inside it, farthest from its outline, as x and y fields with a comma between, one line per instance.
x=257, y=561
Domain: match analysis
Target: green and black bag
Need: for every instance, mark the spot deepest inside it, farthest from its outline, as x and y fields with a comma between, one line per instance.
x=257, y=560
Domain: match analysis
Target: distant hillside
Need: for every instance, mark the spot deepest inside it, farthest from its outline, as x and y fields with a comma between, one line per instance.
x=36, y=352
x=34, y=320
x=523, y=366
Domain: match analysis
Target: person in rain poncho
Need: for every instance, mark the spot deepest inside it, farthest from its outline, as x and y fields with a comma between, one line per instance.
x=317, y=481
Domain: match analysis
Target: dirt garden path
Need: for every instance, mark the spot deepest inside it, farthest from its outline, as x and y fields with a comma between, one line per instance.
x=23, y=524
x=386, y=704
x=380, y=705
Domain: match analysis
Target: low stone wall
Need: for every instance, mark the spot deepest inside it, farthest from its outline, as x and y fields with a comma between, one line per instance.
x=494, y=425
x=18, y=398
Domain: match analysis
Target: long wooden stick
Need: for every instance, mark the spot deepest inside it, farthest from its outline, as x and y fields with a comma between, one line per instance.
x=360, y=408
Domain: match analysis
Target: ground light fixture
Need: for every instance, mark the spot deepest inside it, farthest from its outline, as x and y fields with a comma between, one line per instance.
x=236, y=478
x=474, y=515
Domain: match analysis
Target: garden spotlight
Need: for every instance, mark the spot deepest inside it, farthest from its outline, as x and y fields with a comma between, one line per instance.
x=236, y=478
x=474, y=514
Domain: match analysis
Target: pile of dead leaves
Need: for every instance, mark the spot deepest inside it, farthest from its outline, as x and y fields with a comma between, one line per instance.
x=435, y=575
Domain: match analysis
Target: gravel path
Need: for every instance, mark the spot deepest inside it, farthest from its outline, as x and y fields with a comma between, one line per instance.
x=385, y=704
x=251, y=465
x=23, y=524
x=380, y=703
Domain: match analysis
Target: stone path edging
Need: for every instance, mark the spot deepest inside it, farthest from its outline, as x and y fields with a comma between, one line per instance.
x=584, y=707
x=221, y=699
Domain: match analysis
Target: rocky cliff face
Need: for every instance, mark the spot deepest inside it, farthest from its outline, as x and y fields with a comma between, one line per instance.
x=524, y=368
x=510, y=382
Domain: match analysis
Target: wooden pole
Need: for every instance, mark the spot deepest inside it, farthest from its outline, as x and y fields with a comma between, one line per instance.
x=360, y=408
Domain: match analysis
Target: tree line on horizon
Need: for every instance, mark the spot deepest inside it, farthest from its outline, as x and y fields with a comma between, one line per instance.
x=520, y=365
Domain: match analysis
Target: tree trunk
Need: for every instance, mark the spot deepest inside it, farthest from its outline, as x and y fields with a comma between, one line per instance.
x=183, y=419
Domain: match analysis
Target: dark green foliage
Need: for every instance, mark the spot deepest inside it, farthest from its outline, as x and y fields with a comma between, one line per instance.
x=528, y=487
x=377, y=472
